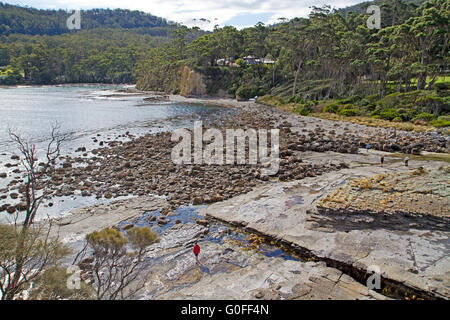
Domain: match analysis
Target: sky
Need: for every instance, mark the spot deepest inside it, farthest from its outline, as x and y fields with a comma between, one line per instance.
x=238, y=13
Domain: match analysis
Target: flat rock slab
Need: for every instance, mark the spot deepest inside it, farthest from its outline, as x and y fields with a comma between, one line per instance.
x=226, y=271
x=276, y=279
x=404, y=250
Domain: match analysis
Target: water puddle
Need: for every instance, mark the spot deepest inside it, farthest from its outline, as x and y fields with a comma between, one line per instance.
x=293, y=201
x=219, y=233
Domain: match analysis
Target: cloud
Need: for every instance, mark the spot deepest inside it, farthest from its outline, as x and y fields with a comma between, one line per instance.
x=225, y=12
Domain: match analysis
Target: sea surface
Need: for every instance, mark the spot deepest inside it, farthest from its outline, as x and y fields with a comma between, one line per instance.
x=88, y=114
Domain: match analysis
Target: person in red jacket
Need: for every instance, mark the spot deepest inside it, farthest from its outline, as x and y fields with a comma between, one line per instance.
x=196, y=251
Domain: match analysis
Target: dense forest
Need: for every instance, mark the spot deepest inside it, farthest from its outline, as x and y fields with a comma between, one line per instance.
x=15, y=19
x=329, y=56
x=330, y=61
x=36, y=46
x=100, y=55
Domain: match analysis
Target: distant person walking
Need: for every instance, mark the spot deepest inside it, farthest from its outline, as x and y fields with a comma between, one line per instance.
x=381, y=160
x=406, y=161
x=196, y=251
x=367, y=147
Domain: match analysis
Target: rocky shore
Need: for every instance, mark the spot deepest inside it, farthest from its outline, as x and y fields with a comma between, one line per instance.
x=234, y=264
x=317, y=157
x=143, y=165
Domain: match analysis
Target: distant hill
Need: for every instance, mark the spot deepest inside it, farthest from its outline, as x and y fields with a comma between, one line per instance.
x=361, y=7
x=30, y=21
x=393, y=12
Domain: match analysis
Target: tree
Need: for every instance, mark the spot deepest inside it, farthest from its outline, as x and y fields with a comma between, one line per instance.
x=25, y=254
x=180, y=40
x=381, y=54
x=52, y=285
x=118, y=262
x=430, y=33
x=37, y=177
x=300, y=44
x=255, y=40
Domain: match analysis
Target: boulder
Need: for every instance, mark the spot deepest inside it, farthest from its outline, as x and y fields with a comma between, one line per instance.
x=128, y=226
x=395, y=147
x=217, y=198
x=202, y=222
x=162, y=221
x=11, y=209
x=67, y=165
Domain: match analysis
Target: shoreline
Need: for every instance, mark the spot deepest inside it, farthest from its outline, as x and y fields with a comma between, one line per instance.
x=248, y=110
x=313, y=151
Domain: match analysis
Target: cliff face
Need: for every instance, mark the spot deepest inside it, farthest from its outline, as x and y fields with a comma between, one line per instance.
x=188, y=81
x=192, y=83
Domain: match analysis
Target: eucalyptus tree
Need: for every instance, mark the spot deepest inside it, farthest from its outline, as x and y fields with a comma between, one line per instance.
x=429, y=32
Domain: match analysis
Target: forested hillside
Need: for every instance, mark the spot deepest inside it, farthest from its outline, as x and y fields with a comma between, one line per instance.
x=101, y=55
x=393, y=13
x=327, y=62
x=15, y=19
x=36, y=46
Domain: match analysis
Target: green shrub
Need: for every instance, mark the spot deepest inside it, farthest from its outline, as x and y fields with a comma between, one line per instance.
x=310, y=104
x=331, y=108
x=261, y=91
x=299, y=100
x=431, y=104
x=407, y=114
x=389, y=114
x=424, y=116
x=304, y=110
x=440, y=123
x=347, y=112
x=398, y=119
x=247, y=92
x=232, y=89
x=240, y=62
x=363, y=102
x=345, y=101
x=444, y=118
